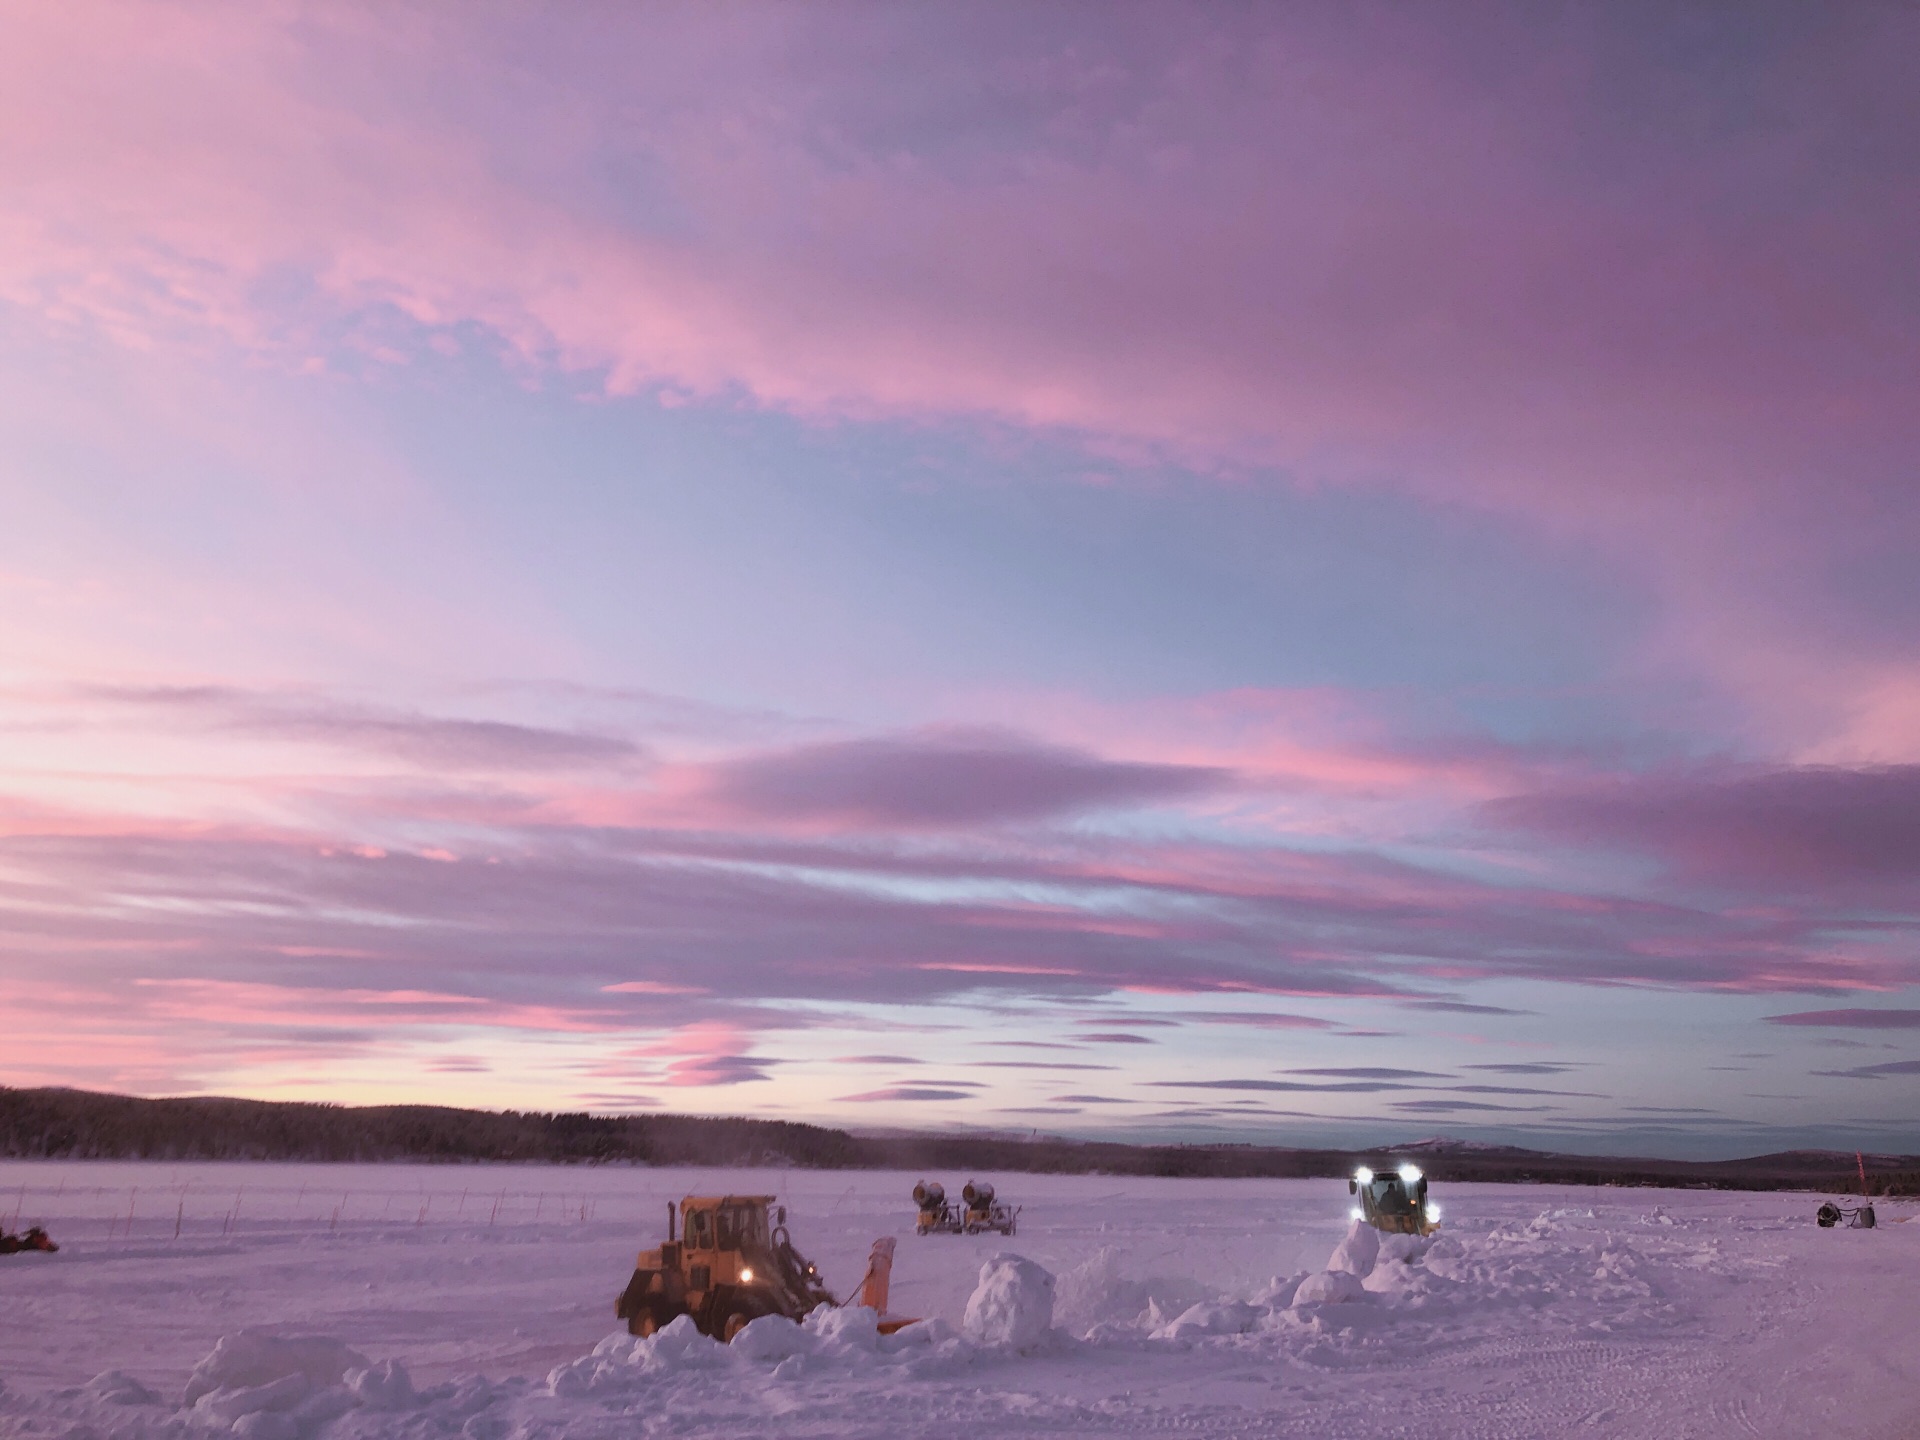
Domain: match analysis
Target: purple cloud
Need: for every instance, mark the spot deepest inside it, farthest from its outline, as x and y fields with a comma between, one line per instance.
x=1852, y=1019
x=1805, y=826
x=434, y=742
x=906, y=1092
x=1525, y=1067
x=941, y=779
x=1261, y=1020
x=1875, y=1072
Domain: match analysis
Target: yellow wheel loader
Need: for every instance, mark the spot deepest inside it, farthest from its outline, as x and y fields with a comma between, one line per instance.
x=733, y=1263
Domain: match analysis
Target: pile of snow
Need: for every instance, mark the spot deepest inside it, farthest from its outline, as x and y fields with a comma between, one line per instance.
x=1212, y=1317
x=1343, y=1281
x=1329, y=1287
x=1012, y=1306
x=1357, y=1250
x=272, y=1388
x=1097, y=1298
x=832, y=1341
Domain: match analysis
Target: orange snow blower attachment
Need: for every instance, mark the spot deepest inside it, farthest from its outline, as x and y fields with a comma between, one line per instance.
x=876, y=1283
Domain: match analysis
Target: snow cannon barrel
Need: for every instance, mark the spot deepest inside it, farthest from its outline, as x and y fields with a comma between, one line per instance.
x=937, y=1214
x=977, y=1194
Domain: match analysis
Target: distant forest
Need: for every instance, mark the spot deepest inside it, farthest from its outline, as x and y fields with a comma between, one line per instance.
x=81, y=1125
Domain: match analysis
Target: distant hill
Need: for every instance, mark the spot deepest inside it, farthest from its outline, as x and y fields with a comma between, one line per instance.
x=82, y=1125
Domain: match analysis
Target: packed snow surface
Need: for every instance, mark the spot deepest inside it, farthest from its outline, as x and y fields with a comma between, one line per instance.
x=295, y=1302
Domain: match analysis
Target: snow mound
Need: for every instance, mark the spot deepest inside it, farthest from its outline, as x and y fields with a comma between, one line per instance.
x=623, y=1362
x=116, y=1387
x=773, y=1338
x=845, y=1329
x=1097, y=1296
x=1213, y=1317
x=1357, y=1251
x=1012, y=1306
x=385, y=1386
x=265, y=1387
x=1329, y=1287
x=832, y=1340
x=249, y=1359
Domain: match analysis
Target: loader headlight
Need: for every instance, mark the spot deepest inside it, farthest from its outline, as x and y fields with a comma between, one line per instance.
x=746, y=1274
x=1357, y=1213
x=1410, y=1174
x=1433, y=1211
x=1363, y=1175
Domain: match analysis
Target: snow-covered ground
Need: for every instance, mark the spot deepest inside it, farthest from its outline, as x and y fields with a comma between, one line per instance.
x=478, y=1302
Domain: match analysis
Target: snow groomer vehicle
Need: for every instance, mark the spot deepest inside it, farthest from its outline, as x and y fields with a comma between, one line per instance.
x=1395, y=1202
x=733, y=1263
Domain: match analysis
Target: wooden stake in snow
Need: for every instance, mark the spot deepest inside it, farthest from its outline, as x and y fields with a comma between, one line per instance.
x=1861, y=1161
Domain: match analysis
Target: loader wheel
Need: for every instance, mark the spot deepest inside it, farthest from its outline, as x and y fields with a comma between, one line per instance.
x=646, y=1320
x=735, y=1323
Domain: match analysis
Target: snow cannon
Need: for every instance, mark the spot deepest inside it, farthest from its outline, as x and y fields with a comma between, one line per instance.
x=984, y=1212
x=1395, y=1202
x=1856, y=1217
x=937, y=1214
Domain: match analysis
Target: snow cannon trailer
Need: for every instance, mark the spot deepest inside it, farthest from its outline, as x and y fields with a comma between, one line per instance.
x=936, y=1215
x=1854, y=1217
x=1395, y=1202
x=986, y=1213
x=733, y=1263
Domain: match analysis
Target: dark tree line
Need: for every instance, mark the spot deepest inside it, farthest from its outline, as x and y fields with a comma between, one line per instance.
x=81, y=1125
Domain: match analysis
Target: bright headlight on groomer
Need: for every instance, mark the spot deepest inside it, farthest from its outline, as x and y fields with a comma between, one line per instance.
x=1410, y=1174
x=1363, y=1176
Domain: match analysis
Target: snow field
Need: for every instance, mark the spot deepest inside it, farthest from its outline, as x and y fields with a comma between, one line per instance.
x=329, y=1303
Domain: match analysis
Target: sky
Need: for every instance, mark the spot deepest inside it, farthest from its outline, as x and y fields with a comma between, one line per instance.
x=1218, y=573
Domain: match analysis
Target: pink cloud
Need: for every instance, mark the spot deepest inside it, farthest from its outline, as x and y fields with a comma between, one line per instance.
x=1292, y=240
x=1344, y=250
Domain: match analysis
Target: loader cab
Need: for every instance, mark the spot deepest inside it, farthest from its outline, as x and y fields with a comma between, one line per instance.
x=1395, y=1202
x=723, y=1237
